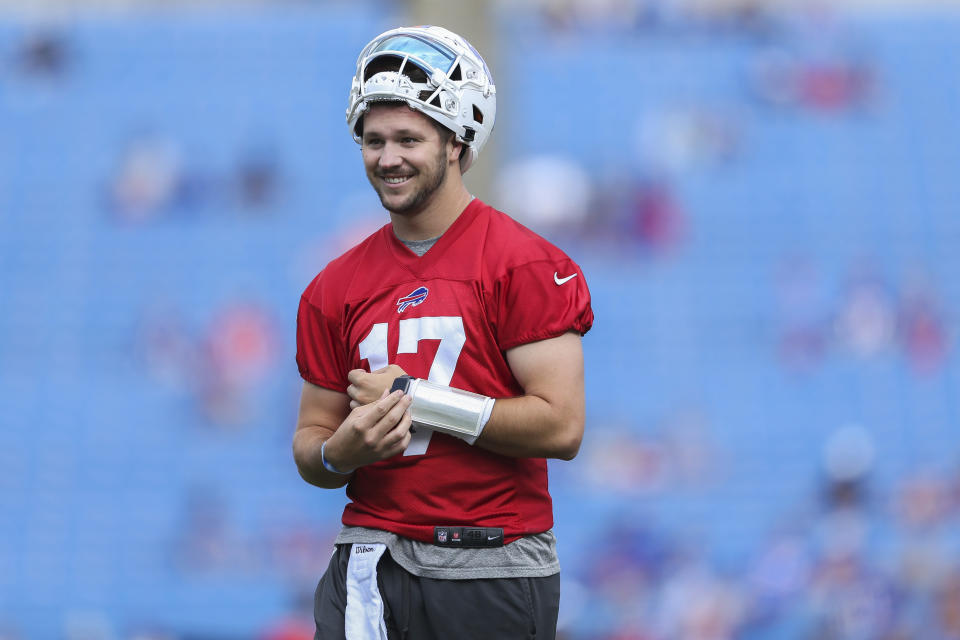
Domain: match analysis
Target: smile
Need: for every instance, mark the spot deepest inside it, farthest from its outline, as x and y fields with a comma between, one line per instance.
x=396, y=179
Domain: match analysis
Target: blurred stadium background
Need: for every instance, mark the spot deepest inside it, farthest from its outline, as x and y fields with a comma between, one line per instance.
x=765, y=199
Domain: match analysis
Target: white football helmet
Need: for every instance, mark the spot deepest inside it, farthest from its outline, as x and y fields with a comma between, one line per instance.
x=436, y=72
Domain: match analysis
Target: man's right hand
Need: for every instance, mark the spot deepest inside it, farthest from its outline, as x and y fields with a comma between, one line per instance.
x=371, y=433
x=367, y=387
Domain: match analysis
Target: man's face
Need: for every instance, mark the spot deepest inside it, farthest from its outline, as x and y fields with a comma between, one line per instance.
x=405, y=157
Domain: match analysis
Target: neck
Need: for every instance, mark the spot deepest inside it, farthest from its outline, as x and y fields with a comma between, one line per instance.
x=436, y=216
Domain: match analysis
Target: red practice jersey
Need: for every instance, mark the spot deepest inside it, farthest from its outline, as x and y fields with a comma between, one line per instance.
x=487, y=285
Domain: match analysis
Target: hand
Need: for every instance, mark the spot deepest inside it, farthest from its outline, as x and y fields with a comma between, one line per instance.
x=372, y=432
x=367, y=387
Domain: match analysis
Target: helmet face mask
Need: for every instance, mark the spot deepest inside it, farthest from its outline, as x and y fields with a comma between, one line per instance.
x=437, y=73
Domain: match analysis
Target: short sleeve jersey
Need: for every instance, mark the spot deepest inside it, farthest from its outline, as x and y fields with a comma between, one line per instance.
x=487, y=285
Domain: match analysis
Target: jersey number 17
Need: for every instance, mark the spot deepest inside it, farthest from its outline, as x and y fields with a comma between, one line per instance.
x=447, y=329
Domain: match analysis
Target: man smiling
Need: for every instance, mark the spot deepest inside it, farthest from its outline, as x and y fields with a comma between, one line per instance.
x=442, y=365
x=407, y=172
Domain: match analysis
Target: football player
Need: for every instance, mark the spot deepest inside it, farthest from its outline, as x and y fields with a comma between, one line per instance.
x=442, y=366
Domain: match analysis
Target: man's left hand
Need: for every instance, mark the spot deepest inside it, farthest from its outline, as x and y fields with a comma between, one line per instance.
x=368, y=387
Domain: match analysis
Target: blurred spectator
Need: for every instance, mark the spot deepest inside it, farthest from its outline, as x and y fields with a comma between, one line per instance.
x=849, y=600
x=290, y=629
x=847, y=462
x=298, y=624
x=153, y=179
x=753, y=17
x=779, y=574
x=240, y=348
x=869, y=320
x=697, y=604
x=625, y=463
x=221, y=368
x=577, y=16
x=88, y=625
x=206, y=540
x=624, y=581
x=816, y=579
x=947, y=605
x=801, y=347
x=637, y=214
x=681, y=453
x=802, y=341
x=151, y=632
x=830, y=79
x=923, y=511
x=44, y=54
x=257, y=178
x=658, y=221
x=923, y=332
x=681, y=139
x=694, y=454
x=547, y=193
x=167, y=348
x=866, y=322
x=148, y=177
x=295, y=546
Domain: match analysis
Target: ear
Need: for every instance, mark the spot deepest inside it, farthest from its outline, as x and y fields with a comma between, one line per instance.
x=454, y=149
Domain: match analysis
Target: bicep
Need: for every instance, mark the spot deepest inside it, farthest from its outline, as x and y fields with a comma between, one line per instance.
x=552, y=369
x=322, y=409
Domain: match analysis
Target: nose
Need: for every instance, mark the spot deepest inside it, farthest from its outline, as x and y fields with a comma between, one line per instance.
x=389, y=157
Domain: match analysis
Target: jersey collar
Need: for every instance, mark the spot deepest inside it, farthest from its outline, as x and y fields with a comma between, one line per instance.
x=420, y=264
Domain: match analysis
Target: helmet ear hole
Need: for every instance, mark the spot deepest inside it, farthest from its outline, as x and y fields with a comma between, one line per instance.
x=477, y=115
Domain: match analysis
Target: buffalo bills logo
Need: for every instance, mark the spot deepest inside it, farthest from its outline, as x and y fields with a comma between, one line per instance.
x=412, y=299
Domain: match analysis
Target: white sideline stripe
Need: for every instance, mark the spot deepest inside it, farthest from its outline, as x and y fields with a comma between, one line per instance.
x=363, y=618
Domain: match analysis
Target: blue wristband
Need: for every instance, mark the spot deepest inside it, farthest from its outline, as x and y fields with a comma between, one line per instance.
x=329, y=467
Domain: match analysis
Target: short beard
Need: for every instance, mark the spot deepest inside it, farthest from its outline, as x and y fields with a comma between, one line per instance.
x=419, y=198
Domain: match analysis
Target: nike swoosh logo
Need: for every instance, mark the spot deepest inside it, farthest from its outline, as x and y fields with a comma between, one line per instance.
x=560, y=281
x=493, y=537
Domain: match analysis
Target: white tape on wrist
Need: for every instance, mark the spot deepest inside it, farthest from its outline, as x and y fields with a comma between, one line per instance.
x=488, y=409
x=459, y=413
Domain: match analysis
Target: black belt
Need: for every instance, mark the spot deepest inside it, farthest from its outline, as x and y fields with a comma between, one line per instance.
x=468, y=537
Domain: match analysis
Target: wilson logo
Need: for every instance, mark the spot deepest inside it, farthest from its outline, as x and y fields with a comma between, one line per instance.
x=412, y=299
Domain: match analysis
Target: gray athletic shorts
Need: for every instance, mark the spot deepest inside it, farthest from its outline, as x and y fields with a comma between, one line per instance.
x=365, y=595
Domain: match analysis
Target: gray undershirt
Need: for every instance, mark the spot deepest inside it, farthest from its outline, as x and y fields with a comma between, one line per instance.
x=529, y=557
x=420, y=247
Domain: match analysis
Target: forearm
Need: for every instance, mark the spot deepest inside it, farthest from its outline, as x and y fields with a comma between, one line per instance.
x=531, y=427
x=307, y=445
x=346, y=439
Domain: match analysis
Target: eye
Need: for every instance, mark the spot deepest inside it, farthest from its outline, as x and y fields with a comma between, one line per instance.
x=373, y=142
x=408, y=140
